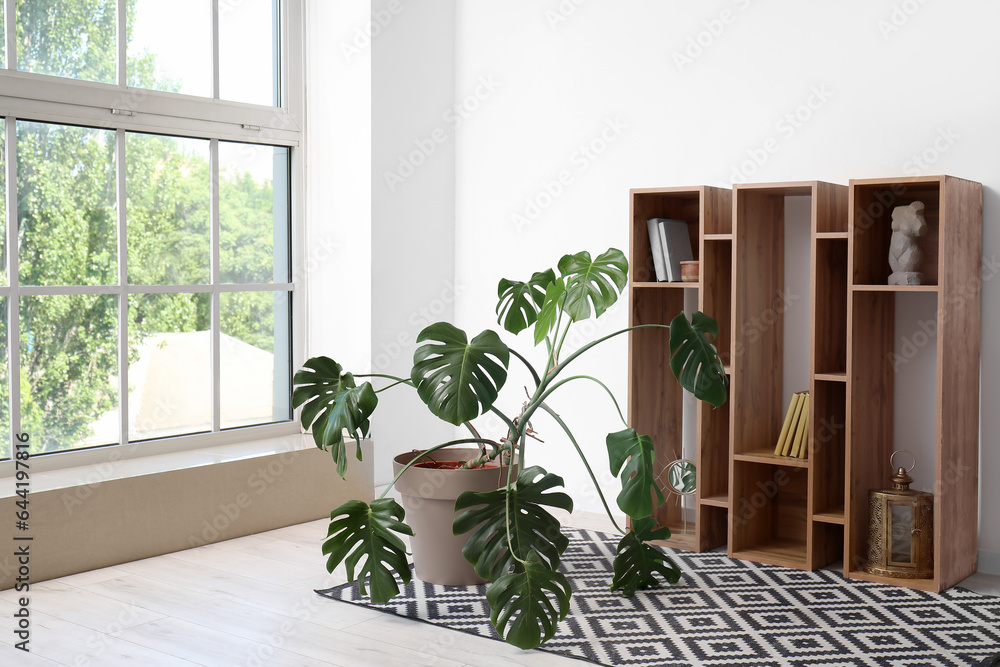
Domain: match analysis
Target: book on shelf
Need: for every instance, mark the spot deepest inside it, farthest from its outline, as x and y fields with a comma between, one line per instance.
x=793, y=440
x=653, y=228
x=781, y=449
x=675, y=245
x=799, y=445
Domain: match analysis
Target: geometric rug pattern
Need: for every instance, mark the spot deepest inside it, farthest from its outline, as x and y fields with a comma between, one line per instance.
x=730, y=613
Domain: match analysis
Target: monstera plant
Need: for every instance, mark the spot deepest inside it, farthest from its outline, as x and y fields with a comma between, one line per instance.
x=514, y=540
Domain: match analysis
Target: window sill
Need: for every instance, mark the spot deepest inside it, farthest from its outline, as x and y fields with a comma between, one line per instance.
x=87, y=467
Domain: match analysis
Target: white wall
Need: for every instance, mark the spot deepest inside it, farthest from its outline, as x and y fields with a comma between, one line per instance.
x=566, y=73
x=338, y=184
x=413, y=208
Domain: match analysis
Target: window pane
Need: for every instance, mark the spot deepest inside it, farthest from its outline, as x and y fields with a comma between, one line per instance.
x=170, y=365
x=5, y=435
x=69, y=360
x=71, y=38
x=170, y=46
x=253, y=213
x=66, y=189
x=168, y=197
x=3, y=203
x=3, y=37
x=247, y=51
x=255, y=358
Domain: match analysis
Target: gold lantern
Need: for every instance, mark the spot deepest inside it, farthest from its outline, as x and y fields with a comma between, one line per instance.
x=901, y=529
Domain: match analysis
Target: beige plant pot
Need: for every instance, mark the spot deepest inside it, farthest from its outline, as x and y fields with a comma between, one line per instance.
x=428, y=497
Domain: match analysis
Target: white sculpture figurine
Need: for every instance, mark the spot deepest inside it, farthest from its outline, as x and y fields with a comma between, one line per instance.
x=908, y=224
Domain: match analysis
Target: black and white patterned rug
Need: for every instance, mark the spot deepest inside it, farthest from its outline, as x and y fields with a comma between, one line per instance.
x=730, y=613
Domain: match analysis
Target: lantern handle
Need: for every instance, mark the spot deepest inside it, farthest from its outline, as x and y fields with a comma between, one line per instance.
x=904, y=451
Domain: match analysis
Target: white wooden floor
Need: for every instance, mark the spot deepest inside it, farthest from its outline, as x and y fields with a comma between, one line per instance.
x=248, y=601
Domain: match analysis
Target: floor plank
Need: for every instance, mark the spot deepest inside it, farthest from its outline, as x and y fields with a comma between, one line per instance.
x=248, y=601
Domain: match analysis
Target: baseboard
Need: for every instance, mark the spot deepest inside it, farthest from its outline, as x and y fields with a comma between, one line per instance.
x=113, y=521
x=989, y=562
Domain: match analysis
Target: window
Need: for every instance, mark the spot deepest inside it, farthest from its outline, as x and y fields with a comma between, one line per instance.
x=147, y=223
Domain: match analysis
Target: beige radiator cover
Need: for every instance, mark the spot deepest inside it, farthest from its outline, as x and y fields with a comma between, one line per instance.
x=82, y=528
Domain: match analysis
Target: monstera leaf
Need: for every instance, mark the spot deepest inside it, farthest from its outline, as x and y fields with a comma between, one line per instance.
x=548, y=316
x=694, y=360
x=534, y=533
x=632, y=455
x=360, y=531
x=637, y=563
x=458, y=379
x=522, y=606
x=519, y=301
x=592, y=285
x=332, y=403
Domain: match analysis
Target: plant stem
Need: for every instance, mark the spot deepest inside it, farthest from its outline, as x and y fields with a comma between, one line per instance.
x=390, y=386
x=387, y=377
x=563, y=381
x=549, y=377
x=586, y=464
x=534, y=374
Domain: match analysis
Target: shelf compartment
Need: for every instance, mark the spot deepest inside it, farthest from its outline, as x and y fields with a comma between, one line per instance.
x=713, y=452
x=829, y=313
x=828, y=403
x=716, y=501
x=769, y=513
x=872, y=203
x=685, y=541
x=716, y=299
x=930, y=585
x=648, y=285
x=767, y=456
x=827, y=540
x=684, y=204
x=835, y=515
x=895, y=288
x=784, y=553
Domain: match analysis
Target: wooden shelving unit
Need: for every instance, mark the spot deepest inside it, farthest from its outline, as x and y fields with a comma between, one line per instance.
x=655, y=404
x=952, y=265
x=807, y=513
x=782, y=506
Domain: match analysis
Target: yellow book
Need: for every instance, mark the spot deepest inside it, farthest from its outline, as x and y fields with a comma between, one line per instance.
x=786, y=446
x=787, y=425
x=804, y=452
x=799, y=444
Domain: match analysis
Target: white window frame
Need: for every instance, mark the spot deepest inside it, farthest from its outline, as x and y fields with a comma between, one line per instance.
x=43, y=98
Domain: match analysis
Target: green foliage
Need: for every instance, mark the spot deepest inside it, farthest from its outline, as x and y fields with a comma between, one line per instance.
x=458, y=379
x=534, y=532
x=67, y=231
x=631, y=455
x=522, y=606
x=519, y=301
x=592, y=285
x=694, y=360
x=514, y=540
x=332, y=404
x=637, y=563
x=72, y=39
x=548, y=316
x=359, y=531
